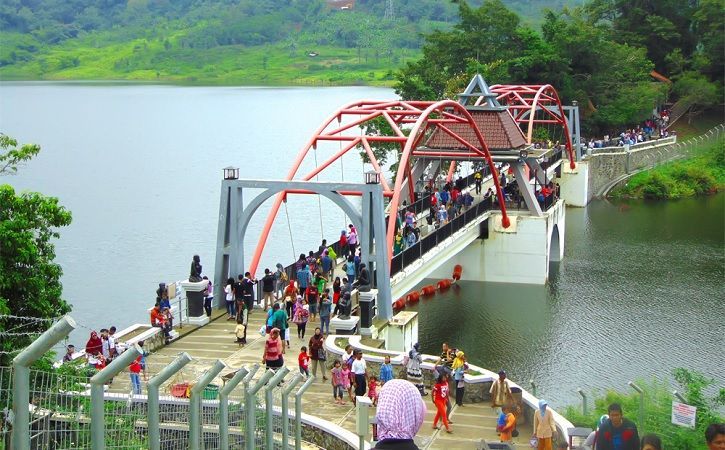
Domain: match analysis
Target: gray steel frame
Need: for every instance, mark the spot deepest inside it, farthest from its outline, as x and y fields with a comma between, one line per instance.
x=234, y=219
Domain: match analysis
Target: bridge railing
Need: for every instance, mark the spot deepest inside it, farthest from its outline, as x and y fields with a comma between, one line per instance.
x=622, y=148
x=425, y=245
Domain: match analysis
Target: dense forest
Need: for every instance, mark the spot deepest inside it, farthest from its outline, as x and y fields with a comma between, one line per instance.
x=601, y=54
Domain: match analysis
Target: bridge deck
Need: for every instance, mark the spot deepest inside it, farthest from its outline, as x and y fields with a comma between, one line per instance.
x=216, y=340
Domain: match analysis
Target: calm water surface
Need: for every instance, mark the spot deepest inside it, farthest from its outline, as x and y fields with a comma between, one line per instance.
x=640, y=290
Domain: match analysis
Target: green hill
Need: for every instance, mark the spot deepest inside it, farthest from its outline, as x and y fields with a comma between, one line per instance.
x=224, y=41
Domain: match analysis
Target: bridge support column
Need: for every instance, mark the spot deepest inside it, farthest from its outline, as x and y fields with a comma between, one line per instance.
x=523, y=252
x=574, y=184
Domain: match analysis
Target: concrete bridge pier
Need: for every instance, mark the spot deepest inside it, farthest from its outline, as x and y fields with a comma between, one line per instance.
x=521, y=253
x=574, y=184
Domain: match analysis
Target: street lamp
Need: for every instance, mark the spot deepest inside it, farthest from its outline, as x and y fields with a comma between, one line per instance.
x=231, y=173
x=372, y=177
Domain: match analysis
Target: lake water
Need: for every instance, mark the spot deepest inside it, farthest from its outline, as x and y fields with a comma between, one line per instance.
x=640, y=290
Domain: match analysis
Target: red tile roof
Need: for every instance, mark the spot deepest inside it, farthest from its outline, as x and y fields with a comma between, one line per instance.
x=498, y=128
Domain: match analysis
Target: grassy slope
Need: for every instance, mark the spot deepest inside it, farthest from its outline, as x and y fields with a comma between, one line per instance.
x=96, y=57
x=701, y=174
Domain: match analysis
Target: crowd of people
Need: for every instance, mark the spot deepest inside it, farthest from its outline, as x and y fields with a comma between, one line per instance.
x=614, y=431
x=101, y=350
x=653, y=128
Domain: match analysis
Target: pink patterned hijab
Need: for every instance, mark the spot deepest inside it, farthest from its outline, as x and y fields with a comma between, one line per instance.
x=400, y=412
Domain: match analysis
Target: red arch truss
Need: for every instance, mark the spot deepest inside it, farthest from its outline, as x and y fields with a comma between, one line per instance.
x=524, y=100
x=410, y=121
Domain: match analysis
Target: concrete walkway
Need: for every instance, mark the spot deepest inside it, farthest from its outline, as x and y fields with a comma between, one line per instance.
x=216, y=341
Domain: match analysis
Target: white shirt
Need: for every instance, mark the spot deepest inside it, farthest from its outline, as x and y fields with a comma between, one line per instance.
x=358, y=367
x=230, y=293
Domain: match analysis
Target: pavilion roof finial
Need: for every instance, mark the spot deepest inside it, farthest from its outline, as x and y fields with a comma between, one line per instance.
x=478, y=89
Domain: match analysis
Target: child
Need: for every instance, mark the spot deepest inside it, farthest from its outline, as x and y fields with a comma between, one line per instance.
x=386, y=371
x=301, y=316
x=508, y=426
x=373, y=390
x=347, y=380
x=338, y=382
x=304, y=361
x=240, y=331
x=440, y=398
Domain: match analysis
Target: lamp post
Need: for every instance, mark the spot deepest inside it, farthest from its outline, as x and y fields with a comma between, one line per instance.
x=231, y=173
x=372, y=177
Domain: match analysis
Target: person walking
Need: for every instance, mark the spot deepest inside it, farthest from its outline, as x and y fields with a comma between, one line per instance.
x=280, y=280
x=280, y=320
x=459, y=368
x=359, y=371
x=268, y=285
x=273, y=350
x=545, y=429
x=440, y=399
x=304, y=278
x=208, y=295
x=338, y=383
x=135, y=373
x=617, y=433
x=412, y=368
x=229, y=297
x=303, y=360
x=352, y=239
x=325, y=311
x=350, y=269
x=500, y=392
x=248, y=291
x=509, y=425
x=317, y=353
x=300, y=317
x=344, y=250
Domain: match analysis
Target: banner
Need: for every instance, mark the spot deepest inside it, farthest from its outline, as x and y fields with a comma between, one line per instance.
x=683, y=415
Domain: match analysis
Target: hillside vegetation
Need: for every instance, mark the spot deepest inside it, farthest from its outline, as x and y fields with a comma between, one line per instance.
x=223, y=41
x=699, y=175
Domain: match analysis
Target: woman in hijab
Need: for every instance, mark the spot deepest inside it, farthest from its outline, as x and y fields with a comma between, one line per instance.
x=94, y=345
x=400, y=415
x=544, y=426
x=459, y=368
x=415, y=376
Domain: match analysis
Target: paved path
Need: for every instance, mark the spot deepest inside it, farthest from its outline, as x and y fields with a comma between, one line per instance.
x=216, y=341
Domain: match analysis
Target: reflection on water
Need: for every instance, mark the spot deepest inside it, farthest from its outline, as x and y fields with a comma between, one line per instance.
x=639, y=293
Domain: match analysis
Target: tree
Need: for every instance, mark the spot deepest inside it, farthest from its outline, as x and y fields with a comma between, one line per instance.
x=29, y=277
x=693, y=88
x=13, y=156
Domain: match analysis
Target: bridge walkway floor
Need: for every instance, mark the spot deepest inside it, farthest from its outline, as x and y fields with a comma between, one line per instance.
x=216, y=341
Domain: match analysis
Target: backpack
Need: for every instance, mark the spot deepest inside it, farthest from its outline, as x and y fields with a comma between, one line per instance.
x=238, y=290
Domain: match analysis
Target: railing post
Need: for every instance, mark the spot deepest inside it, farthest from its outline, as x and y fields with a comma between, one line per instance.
x=195, y=425
x=679, y=398
x=362, y=408
x=250, y=406
x=98, y=422
x=21, y=377
x=269, y=403
x=224, y=406
x=640, y=414
x=152, y=388
x=298, y=412
x=533, y=387
x=285, y=408
x=585, y=410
